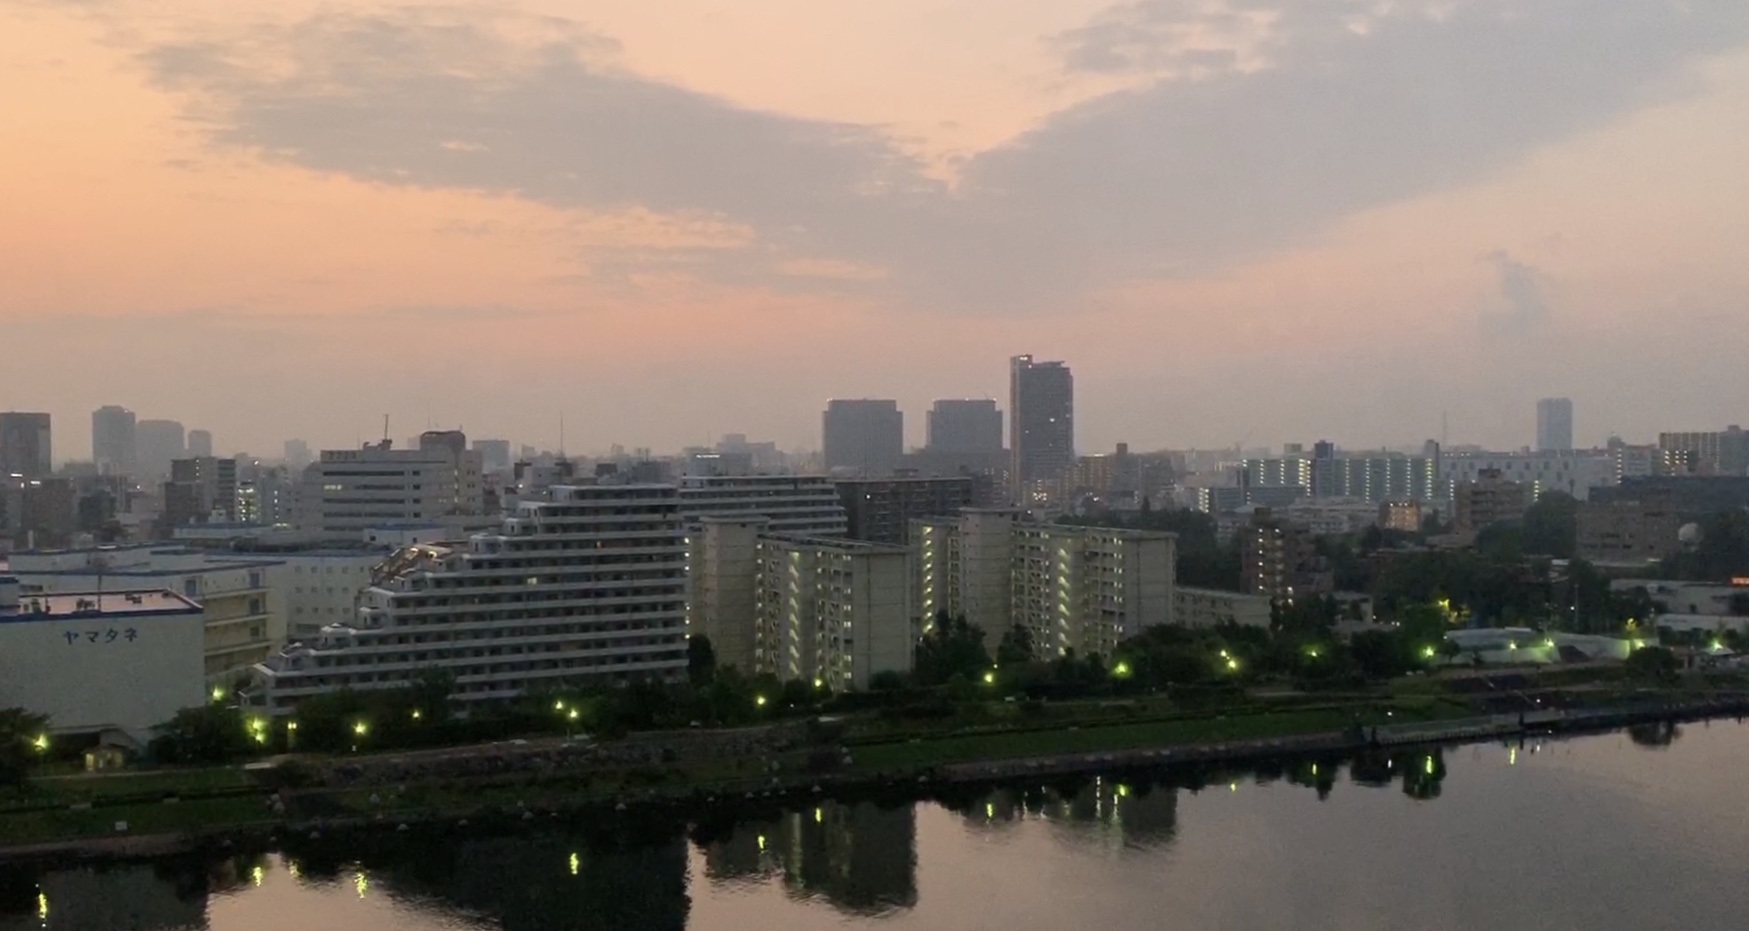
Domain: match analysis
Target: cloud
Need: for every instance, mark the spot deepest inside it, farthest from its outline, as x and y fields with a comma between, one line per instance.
x=1521, y=287
x=1255, y=126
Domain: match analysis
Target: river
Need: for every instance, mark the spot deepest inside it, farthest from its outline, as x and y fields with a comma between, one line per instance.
x=1630, y=830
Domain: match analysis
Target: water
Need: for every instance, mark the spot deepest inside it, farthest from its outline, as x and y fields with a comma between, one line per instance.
x=1641, y=830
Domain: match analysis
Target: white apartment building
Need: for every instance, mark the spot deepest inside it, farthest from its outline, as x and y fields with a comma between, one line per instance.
x=1076, y=588
x=322, y=587
x=1574, y=473
x=589, y=586
x=349, y=490
x=802, y=504
x=835, y=612
x=126, y=660
x=242, y=598
x=1333, y=516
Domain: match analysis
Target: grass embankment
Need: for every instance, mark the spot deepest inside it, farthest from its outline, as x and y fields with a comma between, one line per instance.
x=75, y=808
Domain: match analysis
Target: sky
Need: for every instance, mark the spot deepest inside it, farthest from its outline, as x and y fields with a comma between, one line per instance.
x=1239, y=221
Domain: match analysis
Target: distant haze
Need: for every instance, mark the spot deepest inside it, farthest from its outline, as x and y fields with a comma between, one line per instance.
x=1238, y=220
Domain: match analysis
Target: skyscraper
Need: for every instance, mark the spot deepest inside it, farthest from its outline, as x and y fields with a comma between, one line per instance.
x=157, y=443
x=970, y=426
x=1554, y=425
x=200, y=443
x=112, y=440
x=1041, y=420
x=24, y=445
x=866, y=435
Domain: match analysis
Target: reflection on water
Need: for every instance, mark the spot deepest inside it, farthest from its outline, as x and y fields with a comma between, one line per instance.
x=860, y=858
x=964, y=859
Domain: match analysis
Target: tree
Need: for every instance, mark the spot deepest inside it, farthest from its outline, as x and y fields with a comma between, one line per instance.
x=1016, y=647
x=1653, y=663
x=207, y=734
x=953, y=647
x=1551, y=526
x=21, y=733
x=430, y=691
x=701, y=660
x=1382, y=654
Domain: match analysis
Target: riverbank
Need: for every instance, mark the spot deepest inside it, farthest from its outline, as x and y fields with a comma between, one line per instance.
x=914, y=767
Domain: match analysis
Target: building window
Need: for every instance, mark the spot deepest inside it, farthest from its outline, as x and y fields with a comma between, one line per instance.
x=191, y=588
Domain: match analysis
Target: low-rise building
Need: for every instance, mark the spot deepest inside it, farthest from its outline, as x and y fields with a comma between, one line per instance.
x=1629, y=531
x=1704, y=598
x=1207, y=607
x=1333, y=516
x=1279, y=559
x=805, y=504
x=588, y=587
x=1403, y=516
x=1488, y=500
x=122, y=659
x=242, y=598
x=1574, y=473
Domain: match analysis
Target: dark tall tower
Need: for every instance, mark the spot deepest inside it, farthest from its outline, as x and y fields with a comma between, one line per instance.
x=113, y=440
x=1041, y=421
x=1554, y=425
x=866, y=435
x=24, y=445
x=960, y=427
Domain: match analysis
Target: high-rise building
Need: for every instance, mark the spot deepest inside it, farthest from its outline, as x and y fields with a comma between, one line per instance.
x=25, y=447
x=1074, y=588
x=965, y=427
x=213, y=484
x=113, y=440
x=1554, y=425
x=880, y=510
x=157, y=443
x=494, y=455
x=586, y=588
x=200, y=443
x=297, y=454
x=1041, y=423
x=37, y=512
x=353, y=489
x=810, y=609
x=865, y=435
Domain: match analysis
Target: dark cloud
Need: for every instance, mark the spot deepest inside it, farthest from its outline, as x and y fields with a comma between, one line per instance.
x=1341, y=111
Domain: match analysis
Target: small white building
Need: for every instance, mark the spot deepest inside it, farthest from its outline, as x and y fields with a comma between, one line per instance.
x=1207, y=607
x=123, y=659
x=1572, y=472
x=242, y=597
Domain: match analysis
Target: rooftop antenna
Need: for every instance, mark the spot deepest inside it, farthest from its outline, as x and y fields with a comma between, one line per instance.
x=385, y=428
x=561, y=437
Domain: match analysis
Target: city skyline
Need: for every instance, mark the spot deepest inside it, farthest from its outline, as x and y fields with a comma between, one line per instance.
x=916, y=436
x=217, y=216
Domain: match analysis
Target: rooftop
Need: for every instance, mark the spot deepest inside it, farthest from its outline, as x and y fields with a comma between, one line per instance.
x=123, y=604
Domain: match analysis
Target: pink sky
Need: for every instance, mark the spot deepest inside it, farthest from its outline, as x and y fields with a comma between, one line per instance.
x=670, y=221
